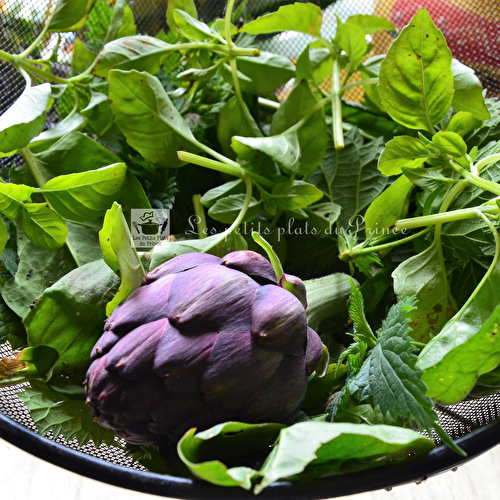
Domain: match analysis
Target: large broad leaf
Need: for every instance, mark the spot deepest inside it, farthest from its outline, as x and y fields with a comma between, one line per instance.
x=48, y=137
x=415, y=81
x=69, y=315
x=25, y=119
x=264, y=73
x=316, y=449
x=51, y=411
x=312, y=136
x=205, y=453
x=37, y=270
x=142, y=53
x=467, y=346
x=350, y=177
x=422, y=277
x=83, y=239
x=119, y=253
x=148, y=118
x=43, y=227
x=468, y=94
x=302, y=17
x=70, y=15
x=85, y=196
x=12, y=197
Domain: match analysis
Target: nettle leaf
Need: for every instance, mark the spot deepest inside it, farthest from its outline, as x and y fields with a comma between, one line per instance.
x=25, y=119
x=70, y=15
x=120, y=255
x=142, y=53
x=388, y=207
x=37, y=270
x=299, y=194
x=317, y=449
x=450, y=371
x=205, y=452
x=313, y=135
x=193, y=29
x=85, y=196
x=187, y=6
x=12, y=197
x=403, y=151
x=353, y=42
x=450, y=143
x=43, y=227
x=302, y=17
x=416, y=81
x=69, y=315
x=51, y=411
x=262, y=74
x=422, y=277
x=350, y=177
x=370, y=24
x=468, y=94
x=148, y=118
x=283, y=149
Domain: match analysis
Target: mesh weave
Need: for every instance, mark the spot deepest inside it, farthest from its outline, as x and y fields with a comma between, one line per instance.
x=472, y=31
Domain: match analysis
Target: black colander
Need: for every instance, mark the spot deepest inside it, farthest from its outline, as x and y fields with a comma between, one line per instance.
x=475, y=423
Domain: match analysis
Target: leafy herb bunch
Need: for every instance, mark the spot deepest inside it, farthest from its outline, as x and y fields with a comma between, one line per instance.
x=404, y=188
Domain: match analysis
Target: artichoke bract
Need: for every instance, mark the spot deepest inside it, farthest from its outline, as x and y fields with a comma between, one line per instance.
x=202, y=341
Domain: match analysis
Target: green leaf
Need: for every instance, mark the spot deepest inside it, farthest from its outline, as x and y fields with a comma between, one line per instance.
x=302, y=17
x=316, y=449
x=142, y=53
x=264, y=73
x=314, y=64
x=193, y=29
x=148, y=118
x=466, y=347
x=69, y=315
x=350, y=177
x=232, y=122
x=313, y=135
x=120, y=255
x=65, y=417
x=352, y=40
x=184, y=5
x=462, y=123
x=83, y=57
x=388, y=207
x=205, y=452
x=48, y=137
x=12, y=197
x=25, y=119
x=421, y=276
x=116, y=20
x=227, y=209
x=299, y=194
x=403, y=151
x=43, y=227
x=320, y=389
x=70, y=15
x=362, y=331
x=85, y=196
x=370, y=24
x=11, y=327
x=415, y=81
x=283, y=149
x=37, y=270
x=226, y=189
x=468, y=94
x=450, y=143
x=322, y=217
x=83, y=239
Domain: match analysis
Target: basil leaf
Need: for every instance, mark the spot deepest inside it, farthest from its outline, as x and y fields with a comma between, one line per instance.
x=193, y=29
x=48, y=137
x=69, y=315
x=370, y=24
x=352, y=40
x=12, y=197
x=299, y=194
x=70, y=15
x=25, y=119
x=450, y=143
x=227, y=209
x=187, y=6
x=148, y=118
x=314, y=64
x=11, y=327
x=415, y=81
x=302, y=17
x=403, y=151
x=43, y=227
x=215, y=194
x=85, y=196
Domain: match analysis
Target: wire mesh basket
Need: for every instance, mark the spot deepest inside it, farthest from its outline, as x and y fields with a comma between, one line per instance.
x=471, y=28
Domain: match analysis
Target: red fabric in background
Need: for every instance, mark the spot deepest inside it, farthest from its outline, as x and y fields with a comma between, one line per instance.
x=472, y=39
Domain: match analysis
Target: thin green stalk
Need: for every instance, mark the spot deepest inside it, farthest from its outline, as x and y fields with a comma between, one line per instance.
x=32, y=164
x=225, y=168
x=484, y=184
x=337, y=130
x=39, y=38
x=201, y=222
x=484, y=161
x=320, y=104
x=227, y=22
x=349, y=86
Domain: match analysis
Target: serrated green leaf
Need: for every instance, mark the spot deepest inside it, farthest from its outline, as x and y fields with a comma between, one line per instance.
x=416, y=81
x=65, y=417
x=302, y=17
x=362, y=331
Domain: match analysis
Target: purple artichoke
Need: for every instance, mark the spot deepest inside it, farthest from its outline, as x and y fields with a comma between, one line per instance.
x=204, y=340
